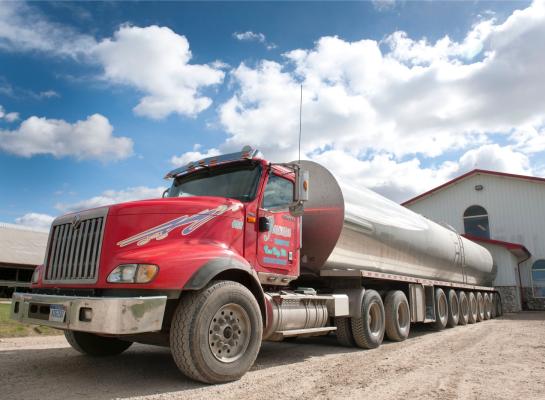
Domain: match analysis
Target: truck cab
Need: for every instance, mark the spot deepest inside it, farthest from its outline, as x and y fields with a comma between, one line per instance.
x=123, y=273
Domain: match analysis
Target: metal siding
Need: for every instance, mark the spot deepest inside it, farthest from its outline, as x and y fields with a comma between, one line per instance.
x=19, y=245
x=515, y=207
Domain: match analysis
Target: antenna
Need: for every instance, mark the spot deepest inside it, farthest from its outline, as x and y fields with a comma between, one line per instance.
x=300, y=124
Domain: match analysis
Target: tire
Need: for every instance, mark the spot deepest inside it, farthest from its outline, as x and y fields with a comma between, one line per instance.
x=493, y=309
x=441, y=310
x=499, y=307
x=344, y=332
x=215, y=333
x=487, y=306
x=463, y=302
x=453, y=309
x=368, y=331
x=473, y=308
x=94, y=345
x=398, y=316
x=480, y=307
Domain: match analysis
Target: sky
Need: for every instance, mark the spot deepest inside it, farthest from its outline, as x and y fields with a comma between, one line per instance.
x=99, y=100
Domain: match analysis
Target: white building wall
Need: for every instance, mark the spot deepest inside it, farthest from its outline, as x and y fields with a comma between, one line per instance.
x=516, y=210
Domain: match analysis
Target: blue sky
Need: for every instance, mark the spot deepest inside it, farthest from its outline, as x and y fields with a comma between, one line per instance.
x=99, y=100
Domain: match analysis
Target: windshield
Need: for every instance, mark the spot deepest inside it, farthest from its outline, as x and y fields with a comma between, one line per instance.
x=235, y=181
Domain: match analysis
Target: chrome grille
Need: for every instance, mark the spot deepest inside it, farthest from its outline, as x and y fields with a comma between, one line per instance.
x=74, y=247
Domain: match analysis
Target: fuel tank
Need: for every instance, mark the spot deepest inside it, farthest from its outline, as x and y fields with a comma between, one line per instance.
x=347, y=227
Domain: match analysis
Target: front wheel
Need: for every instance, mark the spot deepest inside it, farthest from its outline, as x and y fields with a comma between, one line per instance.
x=216, y=333
x=94, y=345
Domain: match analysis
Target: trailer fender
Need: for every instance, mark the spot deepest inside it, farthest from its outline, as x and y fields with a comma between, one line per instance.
x=229, y=268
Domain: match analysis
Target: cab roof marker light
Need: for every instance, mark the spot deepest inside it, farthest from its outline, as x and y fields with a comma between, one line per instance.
x=247, y=153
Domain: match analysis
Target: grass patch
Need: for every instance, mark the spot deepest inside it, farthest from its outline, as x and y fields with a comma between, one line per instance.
x=11, y=328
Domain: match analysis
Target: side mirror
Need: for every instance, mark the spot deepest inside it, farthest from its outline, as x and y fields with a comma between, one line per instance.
x=264, y=225
x=302, y=178
x=165, y=193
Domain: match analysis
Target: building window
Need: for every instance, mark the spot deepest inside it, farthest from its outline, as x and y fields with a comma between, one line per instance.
x=538, y=278
x=476, y=222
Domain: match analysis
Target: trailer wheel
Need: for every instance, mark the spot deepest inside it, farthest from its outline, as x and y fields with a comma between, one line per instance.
x=480, y=307
x=493, y=309
x=487, y=306
x=215, y=333
x=368, y=330
x=473, y=308
x=453, y=309
x=344, y=332
x=441, y=310
x=94, y=345
x=499, y=307
x=463, y=303
x=398, y=316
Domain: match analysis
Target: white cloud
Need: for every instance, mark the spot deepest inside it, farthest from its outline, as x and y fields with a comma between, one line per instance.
x=11, y=116
x=88, y=139
x=35, y=220
x=24, y=28
x=48, y=94
x=496, y=158
x=249, y=36
x=8, y=116
x=111, y=197
x=154, y=60
x=383, y=103
x=383, y=5
x=194, y=155
x=170, y=83
x=402, y=180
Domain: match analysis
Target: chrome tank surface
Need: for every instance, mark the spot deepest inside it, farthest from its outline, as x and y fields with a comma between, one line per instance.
x=355, y=228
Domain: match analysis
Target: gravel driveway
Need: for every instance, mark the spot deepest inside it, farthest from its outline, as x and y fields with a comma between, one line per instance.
x=497, y=359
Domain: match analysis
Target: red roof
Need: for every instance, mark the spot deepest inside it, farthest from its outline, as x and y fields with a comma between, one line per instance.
x=518, y=250
x=467, y=175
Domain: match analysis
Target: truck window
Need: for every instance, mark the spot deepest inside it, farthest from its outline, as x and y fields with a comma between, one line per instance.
x=237, y=182
x=278, y=193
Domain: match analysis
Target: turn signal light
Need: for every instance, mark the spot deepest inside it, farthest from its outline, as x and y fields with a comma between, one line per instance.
x=133, y=273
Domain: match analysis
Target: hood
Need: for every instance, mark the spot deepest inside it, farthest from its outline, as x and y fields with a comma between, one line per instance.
x=177, y=206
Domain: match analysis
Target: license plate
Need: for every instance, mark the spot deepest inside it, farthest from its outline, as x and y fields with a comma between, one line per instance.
x=57, y=313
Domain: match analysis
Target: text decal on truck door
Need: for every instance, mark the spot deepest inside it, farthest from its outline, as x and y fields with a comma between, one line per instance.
x=194, y=222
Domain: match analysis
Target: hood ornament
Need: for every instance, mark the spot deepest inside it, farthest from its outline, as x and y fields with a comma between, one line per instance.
x=76, y=222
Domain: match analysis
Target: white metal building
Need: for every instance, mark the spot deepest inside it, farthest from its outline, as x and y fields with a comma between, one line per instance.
x=21, y=249
x=506, y=214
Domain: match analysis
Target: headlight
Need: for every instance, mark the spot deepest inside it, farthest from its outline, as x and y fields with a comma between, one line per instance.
x=133, y=273
x=35, y=275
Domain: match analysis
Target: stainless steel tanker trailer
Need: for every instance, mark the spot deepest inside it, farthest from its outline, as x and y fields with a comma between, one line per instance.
x=242, y=250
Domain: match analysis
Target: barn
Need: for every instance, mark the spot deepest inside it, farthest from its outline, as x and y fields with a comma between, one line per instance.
x=21, y=249
x=504, y=213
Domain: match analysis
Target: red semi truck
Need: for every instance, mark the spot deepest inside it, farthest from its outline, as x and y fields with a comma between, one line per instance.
x=241, y=250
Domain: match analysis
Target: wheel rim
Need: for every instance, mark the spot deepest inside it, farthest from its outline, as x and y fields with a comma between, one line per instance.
x=403, y=316
x=375, y=319
x=229, y=333
x=464, y=308
x=442, y=308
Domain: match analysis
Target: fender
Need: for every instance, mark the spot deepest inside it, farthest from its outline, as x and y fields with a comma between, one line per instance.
x=230, y=268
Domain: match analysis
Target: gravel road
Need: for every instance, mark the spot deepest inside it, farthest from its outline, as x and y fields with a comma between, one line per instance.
x=498, y=359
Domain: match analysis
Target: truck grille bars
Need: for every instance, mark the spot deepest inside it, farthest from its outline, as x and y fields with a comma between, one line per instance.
x=74, y=245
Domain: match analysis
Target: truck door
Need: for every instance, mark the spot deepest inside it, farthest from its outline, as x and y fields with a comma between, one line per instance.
x=278, y=247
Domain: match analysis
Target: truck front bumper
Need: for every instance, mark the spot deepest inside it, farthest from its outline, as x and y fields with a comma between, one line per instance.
x=105, y=315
